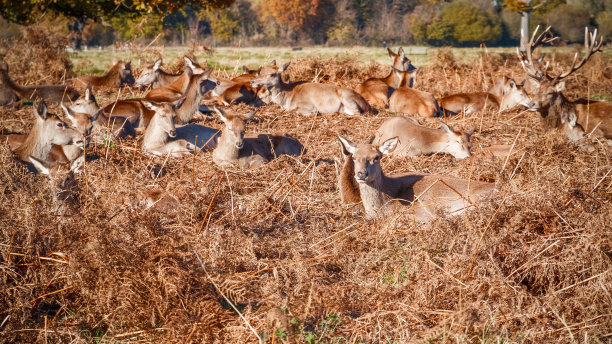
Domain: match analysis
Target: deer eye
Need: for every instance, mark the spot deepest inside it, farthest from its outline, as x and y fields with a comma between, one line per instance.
x=61, y=125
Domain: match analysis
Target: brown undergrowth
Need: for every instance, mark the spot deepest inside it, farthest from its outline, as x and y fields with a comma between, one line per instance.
x=532, y=265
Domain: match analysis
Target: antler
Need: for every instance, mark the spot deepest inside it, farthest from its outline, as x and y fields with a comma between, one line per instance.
x=591, y=46
x=526, y=58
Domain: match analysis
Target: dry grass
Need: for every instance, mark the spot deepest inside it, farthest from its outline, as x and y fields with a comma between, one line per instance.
x=533, y=265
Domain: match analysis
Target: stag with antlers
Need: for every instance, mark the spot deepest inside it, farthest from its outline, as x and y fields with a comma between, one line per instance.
x=556, y=110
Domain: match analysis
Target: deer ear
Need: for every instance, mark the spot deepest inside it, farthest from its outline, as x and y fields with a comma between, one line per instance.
x=348, y=146
x=390, y=52
x=221, y=114
x=245, y=69
x=69, y=113
x=114, y=61
x=39, y=166
x=150, y=105
x=388, y=146
x=400, y=52
x=249, y=116
x=273, y=63
x=571, y=119
x=284, y=68
x=157, y=64
x=446, y=128
x=560, y=86
x=178, y=103
x=40, y=109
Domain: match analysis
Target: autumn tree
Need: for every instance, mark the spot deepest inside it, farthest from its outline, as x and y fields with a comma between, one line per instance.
x=296, y=17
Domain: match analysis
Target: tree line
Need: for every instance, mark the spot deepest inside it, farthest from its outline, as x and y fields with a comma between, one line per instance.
x=331, y=22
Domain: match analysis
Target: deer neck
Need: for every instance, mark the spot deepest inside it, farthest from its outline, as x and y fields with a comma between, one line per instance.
x=349, y=190
x=162, y=78
x=502, y=102
x=154, y=135
x=376, y=195
x=6, y=79
x=225, y=151
x=192, y=98
x=279, y=93
x=35, y=145
x=394, y=79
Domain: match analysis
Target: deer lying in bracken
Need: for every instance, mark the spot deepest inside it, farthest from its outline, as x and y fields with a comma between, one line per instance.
x=555, y=109
x=163, y=138
x=428, y=194
x=48, y=130
x=310, y=97
x=415, y=139
x=62, y=182
x=408, y=101
x=104, y=127
x=119, y=75
x=153, y=75
x=475, y=102
x=49, y=93
x=376, y=91
x=239, y=89
x=139, y=115
x=177, y=88
x=253, y=151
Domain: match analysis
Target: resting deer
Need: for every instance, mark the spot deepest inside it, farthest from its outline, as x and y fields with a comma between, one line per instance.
x=177, y=88
x=415, y=139
x=408, y=101
x=310, y=97
x=120, y=74
x=475, y=102
x=376, y=91
x=62, y=182
x=49, y=93
x=163, y=138
x=428, y=194
x=139, y=115
x=557, y=111
x=253, y=151
x=239, y=89
x=103, y=127
x=153, y=75
x=48, y=130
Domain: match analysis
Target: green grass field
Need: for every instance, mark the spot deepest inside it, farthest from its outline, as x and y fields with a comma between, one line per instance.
x=229, y=58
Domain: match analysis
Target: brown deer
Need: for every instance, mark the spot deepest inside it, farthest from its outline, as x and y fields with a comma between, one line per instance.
x=49, y=93
x=429, y=195
x=239, y=89
x=48, y=130
x=408, y=101
x=415, y=139
x=62, y=182
x=253, y=151
x=310, y=97
x=177, y=88
x=139, y=115
x=477, y=101
x=376, y=91
x=153, y=75
x=555, y=109
x=120, y=74
x=162, y=137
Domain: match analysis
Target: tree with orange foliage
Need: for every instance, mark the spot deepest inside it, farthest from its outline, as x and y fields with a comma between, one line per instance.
x=298, y=16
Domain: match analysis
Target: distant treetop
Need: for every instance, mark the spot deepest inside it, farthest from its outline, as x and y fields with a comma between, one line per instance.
x=28, y=12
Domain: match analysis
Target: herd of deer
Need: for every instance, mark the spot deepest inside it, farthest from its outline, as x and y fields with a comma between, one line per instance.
x=164, y=114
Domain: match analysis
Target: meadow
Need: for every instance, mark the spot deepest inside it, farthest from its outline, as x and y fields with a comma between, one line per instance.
x=272, y=255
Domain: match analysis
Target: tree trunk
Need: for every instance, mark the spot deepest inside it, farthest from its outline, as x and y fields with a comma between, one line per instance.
x=524, y=29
